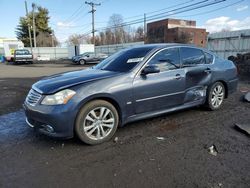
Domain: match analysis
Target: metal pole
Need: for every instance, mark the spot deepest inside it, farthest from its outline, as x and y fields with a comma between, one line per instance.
x=93, y=17
x=145, y=28
x=28, y=26
x=34, y=25
x=52, y=41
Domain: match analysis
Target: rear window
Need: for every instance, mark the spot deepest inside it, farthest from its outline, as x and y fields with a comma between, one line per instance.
x=192, y=56
x=124, y=61
x=22, y=52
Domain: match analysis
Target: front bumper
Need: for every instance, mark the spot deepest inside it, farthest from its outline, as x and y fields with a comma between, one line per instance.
x=55, y=121
x=75, y=60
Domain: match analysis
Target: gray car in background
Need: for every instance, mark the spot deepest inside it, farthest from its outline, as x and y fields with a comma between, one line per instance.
x=133, y=84
x=89, y=57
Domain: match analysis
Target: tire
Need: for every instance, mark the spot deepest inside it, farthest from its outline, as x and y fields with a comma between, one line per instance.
x=82, y=62
x=96, y=122
x=216, y=95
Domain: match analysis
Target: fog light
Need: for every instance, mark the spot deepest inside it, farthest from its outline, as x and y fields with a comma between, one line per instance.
x=49, y=128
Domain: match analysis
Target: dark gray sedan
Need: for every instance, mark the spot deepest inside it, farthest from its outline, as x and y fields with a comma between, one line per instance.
x=133, y=84
x=89, y=57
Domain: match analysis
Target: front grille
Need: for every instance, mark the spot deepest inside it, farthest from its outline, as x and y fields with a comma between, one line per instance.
x=33, y=97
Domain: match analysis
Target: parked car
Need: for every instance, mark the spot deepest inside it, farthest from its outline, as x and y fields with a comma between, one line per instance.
x=89, y=57
x=133, y=84
x=22, y=56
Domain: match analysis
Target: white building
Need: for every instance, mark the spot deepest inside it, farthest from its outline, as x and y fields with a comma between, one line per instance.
x=8, y=46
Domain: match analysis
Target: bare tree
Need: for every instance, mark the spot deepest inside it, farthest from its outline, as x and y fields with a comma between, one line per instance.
x=77, y=39
x=139, y=34
x=116, y=25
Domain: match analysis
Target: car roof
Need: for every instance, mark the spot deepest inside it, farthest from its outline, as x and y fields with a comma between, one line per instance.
x=164, y=45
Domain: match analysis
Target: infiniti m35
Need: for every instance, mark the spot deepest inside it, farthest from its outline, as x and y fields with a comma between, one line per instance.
x=132, y=84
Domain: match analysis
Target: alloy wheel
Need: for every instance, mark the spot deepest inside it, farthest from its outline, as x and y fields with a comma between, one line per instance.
x=217, y=96
x=98, y=123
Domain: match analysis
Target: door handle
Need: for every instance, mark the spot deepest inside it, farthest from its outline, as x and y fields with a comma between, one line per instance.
x=177, y=76
x=208, y=71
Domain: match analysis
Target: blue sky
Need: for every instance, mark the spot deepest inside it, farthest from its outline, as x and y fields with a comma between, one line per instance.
x=66, y=21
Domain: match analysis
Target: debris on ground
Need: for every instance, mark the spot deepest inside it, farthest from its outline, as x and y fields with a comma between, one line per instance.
x=160, y=138
x=243, y=89
x=243, y=127
x=220, y=184
x=212, y=150
x=116, y=140
x=247, y=97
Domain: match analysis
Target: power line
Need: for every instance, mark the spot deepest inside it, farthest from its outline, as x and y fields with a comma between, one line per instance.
x=168, y=13
x=148, y=13
x=214, y=10
x=75, y=13
x=187, y=8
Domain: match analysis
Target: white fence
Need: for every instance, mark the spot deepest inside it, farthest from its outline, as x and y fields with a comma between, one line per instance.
x=49, y=53
x=110, y=49
x=225, y=44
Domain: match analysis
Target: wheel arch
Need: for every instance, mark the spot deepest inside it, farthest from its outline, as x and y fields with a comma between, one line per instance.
x=225, y=86
x=105, y=97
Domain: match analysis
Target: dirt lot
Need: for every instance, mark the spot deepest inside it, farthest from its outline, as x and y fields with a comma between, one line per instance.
x=138, y=159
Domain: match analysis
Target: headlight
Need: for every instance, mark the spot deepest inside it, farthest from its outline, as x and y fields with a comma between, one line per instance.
x=61, y=97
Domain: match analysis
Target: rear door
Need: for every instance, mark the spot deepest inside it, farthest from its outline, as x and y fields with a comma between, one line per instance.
x=160, y=90
x=197, y=66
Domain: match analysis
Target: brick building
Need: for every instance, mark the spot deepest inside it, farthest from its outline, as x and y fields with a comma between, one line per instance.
x=175, y=30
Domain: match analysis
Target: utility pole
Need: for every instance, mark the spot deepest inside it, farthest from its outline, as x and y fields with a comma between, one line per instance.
x=27, y=15
x=34, y=25
x=145, y=28
x=92, y=4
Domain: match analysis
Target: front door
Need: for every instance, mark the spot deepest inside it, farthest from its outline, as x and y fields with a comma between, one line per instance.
x=161, y=90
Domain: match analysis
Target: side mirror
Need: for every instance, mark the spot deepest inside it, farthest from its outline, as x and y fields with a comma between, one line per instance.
x=150, y=69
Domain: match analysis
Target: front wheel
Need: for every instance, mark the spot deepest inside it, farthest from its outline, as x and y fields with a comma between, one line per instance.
x=216, y=95
x=82, y=62
x=96, y=122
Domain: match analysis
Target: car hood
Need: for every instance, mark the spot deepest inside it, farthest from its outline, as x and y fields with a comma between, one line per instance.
x=54, y=83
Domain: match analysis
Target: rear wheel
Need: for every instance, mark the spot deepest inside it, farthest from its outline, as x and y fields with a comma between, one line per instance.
x=216, y=95
x=96, y=122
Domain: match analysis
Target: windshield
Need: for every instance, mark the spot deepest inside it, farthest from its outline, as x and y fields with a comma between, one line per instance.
x=124, y=60
x=86, y=53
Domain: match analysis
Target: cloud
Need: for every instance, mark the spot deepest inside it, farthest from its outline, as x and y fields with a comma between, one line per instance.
x=226, y=23
x=64, y=24
x=241, y=8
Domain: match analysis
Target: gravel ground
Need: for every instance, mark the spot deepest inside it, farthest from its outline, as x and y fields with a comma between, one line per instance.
x=179, y=157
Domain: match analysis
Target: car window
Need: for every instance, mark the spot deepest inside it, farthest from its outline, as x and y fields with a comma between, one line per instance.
x=192, y=56
x=124, y=60
x=168, y=59
x=209, y=58
x=22, y=52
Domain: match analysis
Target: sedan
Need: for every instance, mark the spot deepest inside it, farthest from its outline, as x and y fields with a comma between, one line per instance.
x=133, y=84
x=89, y=57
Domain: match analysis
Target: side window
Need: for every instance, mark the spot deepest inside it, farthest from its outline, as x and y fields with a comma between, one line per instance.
x=209, y=58
x=168, y=59
x=192, y=56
